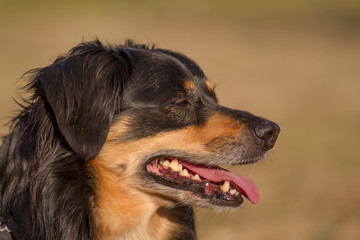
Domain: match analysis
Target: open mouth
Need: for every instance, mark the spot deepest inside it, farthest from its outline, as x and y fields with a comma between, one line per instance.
x=215, y=184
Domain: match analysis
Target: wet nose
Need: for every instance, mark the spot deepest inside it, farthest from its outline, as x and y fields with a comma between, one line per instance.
x=268, y=132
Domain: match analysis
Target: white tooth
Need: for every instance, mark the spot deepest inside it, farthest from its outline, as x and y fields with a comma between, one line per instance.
x=196, y=177
x=166, y=163
x=184, y=173
x=233, y=191
x=174, y=165
x=179, y=168
x=225, y=187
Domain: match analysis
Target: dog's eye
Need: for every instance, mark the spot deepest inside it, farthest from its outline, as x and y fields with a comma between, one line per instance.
x=182, y=103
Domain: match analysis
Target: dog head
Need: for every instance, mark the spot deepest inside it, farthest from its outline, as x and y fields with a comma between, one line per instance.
x=150, y=117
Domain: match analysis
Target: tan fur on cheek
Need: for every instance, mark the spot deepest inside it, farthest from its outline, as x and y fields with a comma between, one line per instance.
x=123, y=212
x=218, y=125
x=125, y=207
x=191, y=139
x=120, y=127
x=118, y=206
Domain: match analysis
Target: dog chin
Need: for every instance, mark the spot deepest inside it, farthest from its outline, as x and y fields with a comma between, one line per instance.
x=197, y=201
x=174, y=197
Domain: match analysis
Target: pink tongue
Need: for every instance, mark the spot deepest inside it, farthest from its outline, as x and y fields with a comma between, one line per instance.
x=220, y=175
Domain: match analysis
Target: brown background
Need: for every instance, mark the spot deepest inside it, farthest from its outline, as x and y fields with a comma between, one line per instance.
x=294, y=62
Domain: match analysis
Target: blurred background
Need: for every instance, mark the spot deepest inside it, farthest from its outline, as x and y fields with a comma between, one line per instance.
x=294, y=62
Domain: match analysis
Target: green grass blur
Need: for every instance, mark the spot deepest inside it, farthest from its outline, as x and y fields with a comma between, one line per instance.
x=294, y=62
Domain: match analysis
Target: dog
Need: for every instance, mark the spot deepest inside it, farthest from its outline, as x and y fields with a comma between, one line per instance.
x=120, y=142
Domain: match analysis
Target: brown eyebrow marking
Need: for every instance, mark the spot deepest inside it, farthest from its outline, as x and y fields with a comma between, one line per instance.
x=210, y=85
x=190, y=85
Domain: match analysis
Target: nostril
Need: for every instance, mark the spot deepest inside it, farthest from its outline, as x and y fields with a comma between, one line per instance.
x=268, y=132
x=264, y=130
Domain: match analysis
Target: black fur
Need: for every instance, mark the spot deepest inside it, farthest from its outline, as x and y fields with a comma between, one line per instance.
x=46, y=184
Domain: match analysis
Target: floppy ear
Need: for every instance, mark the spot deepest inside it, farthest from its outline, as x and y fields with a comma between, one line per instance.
x=82, y=90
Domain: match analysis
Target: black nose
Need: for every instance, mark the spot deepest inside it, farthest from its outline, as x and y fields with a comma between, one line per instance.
x=268, y=132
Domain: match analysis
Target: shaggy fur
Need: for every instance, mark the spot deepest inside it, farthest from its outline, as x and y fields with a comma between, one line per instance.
x=73, y=166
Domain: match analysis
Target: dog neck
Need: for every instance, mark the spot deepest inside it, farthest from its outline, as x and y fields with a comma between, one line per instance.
x=123, y=212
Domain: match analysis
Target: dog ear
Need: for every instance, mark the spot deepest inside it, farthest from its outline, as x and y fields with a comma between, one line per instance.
x=83, y=89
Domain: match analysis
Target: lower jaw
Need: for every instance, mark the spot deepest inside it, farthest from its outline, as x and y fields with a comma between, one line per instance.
x=203, y=192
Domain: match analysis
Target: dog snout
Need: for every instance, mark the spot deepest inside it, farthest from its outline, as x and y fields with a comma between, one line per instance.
x=267, y=132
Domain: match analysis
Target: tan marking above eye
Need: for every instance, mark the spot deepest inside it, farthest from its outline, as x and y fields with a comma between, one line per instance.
x=190, y=85
x=210, y=85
